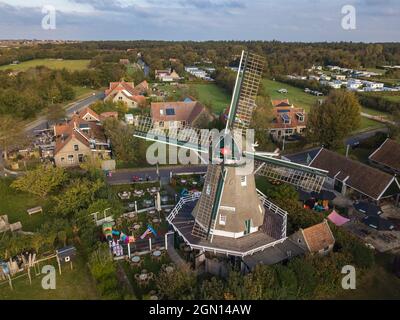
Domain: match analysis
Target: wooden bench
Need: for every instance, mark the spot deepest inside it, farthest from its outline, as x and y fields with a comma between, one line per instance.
x=34, y=210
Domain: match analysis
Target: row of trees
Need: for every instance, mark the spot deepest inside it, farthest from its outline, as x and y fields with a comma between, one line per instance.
x=282, y=58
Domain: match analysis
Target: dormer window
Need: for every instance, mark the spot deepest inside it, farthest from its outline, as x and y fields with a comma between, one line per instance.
x=300, y=116
x=76, y=147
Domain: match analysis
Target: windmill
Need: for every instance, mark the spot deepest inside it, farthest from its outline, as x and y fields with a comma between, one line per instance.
x=230, y=208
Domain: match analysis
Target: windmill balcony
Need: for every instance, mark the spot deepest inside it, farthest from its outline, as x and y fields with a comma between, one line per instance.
x=272, y=232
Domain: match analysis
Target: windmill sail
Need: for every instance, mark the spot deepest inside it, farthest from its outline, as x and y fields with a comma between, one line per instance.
x=187, y=137
x=307, y=178
x=245, y=92
x=207, y=206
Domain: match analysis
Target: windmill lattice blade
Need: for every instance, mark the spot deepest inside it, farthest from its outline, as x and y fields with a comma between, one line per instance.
x=187, y=137
x=208, y=201
x=247, y=85
x=307, y=178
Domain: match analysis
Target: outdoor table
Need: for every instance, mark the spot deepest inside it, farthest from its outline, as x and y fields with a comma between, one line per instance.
x=157, y=253
x=154, y=297
x=155, y=220
x=152, y=212
x=167, y=210
x=183, y=181
x=169, y=269
x=143, y=276
x=194, y=183
x=136, y=226
x=135, y=259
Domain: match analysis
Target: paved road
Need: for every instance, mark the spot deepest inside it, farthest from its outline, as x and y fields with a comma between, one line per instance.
x=124, y=176
x=42, y=123
x=364, y=135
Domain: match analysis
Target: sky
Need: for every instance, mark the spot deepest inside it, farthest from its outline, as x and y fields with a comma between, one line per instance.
x=200, y=20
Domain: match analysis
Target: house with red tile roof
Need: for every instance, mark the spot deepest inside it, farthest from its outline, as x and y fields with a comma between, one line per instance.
x=167, y=75
x=168, y=115
x=127, y=92
x=315, y=239
x=80, y=137
x=287, y=120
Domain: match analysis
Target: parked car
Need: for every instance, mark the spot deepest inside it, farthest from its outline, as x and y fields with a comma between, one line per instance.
x=136, y=179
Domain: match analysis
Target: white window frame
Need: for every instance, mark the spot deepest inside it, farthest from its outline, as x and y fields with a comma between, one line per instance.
x=222, y=220
x=243, y=181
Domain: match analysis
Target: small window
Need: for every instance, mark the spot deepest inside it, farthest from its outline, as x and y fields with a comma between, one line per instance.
x=170, y=112
x=208, y=190
x=76, y=147
x=71, y=158
x=62, y=159
x=299, y=240
x=222, y=220
x=161, y=124
x=243, y=181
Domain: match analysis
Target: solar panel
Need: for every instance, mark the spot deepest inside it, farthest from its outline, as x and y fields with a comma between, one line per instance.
x=170, y=111
x=285, y=117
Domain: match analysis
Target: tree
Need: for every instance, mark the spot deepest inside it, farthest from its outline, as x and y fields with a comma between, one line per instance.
x=78, y=195
x=262, y=118
x=103, y=270
x=41, y=181
x=177, y=285
x=331, y=122
x=56, y=112
x=212, y=289
x=125, y=146
x=11, y=133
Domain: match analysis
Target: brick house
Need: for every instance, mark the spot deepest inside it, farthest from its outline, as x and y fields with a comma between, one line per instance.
x=80, y=137
x=126, y=92
x=288, y=120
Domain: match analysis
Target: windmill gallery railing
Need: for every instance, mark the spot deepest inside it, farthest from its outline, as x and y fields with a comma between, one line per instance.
x=181, y=203
x=268, y=204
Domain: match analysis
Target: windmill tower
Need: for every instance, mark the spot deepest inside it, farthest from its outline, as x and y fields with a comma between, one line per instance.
x=231, y=216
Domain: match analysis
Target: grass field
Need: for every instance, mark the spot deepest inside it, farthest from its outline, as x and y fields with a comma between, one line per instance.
x=212, y=94
x=71, y=65
x=15, y=203
x=76, y=284
x=299, y=98
x=295, y=95
x=80, y=92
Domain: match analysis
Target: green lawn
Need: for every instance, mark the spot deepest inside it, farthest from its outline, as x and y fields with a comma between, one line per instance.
x=71, y=284
x=14, y=204
x=295, y=95
x=299, y=98
x=82, y=91
x=214, y=95
x=71, y=65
